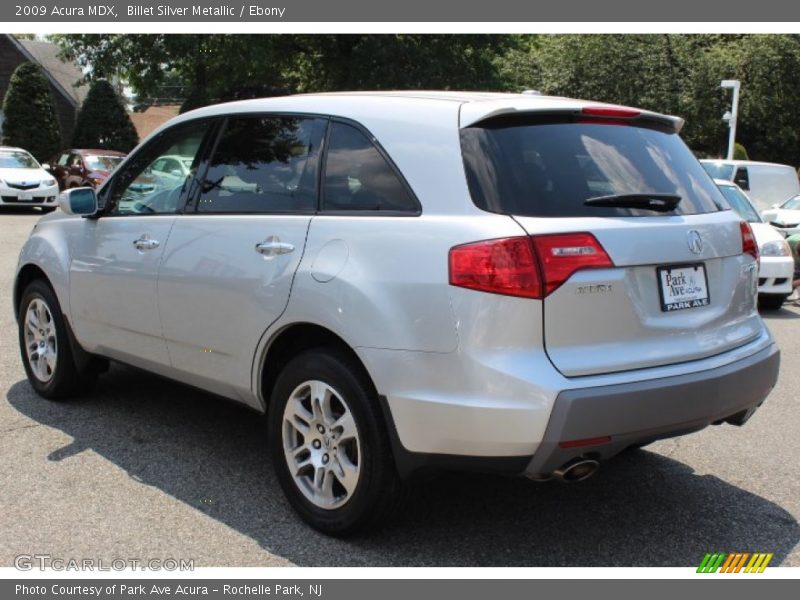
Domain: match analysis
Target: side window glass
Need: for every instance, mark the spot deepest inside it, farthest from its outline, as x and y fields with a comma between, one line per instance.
x=264, y=165
x=358, y=178
x=62, y=160
x=140, y=188
x=742, y=179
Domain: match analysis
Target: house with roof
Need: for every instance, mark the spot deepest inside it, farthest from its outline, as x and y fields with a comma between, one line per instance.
x=61, y=74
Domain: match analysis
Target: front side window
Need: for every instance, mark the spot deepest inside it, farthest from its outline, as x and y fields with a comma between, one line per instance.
x=740, y=203
x=141, y=189
x=264, y=165
x=358, y=178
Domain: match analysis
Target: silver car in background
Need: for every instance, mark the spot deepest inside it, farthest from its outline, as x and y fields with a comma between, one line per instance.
x=408, y=281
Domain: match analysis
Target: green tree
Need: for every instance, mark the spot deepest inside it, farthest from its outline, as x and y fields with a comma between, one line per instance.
x=740, y=152
x=103, y=121
x=30, y=113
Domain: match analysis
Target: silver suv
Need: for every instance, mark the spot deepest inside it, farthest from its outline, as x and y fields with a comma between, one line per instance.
x=409, y=281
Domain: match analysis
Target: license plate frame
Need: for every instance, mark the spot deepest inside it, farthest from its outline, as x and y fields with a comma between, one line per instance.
x=695, y=298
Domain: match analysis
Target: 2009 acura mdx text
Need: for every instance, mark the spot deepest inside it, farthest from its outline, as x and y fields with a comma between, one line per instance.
x=411, y=280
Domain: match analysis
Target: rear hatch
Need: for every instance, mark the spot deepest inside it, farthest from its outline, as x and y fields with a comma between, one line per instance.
x=661, y=276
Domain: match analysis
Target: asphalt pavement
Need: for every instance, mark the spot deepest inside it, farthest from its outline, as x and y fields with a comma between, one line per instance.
x=145, y=468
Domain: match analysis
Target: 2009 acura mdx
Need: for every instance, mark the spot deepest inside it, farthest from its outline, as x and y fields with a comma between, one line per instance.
x=509, y=283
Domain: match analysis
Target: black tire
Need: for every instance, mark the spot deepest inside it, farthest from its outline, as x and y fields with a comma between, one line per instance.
x=771, y=301
x=65, y=380
x=377, y=493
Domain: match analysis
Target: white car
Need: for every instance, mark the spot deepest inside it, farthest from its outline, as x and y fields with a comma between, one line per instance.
x=765, y=183
x=785, y=217
x=776, y=266
x=23, y=181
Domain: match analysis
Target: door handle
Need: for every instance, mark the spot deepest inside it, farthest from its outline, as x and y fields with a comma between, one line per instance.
x=272, y=246
x=145, y=243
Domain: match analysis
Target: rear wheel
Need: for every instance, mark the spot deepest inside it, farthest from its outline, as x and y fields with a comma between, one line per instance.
x=771, y=301
x=45, y=346
x=329, y=446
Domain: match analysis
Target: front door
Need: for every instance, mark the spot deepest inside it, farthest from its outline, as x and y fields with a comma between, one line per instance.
x=116, y=258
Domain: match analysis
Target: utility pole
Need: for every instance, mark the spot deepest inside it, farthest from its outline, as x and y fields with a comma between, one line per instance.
x=732, y=116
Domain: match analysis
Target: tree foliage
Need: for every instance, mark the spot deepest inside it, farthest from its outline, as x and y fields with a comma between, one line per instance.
x=103, y=121
x=676, y=74
x=30, y=113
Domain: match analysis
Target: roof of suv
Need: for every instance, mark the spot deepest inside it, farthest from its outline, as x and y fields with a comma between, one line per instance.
x=468, y=107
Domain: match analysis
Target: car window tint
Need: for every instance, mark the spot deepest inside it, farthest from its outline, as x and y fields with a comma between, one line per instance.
x=357, y=177
x=549, y=166
x=264, y=165
x=140, y=188
x=62, y=161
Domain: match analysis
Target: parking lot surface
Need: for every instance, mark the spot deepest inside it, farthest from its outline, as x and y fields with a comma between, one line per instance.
x=145, y=468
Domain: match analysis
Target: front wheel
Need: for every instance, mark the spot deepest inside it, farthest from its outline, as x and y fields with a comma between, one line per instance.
x=45, y=346
x=329, y=445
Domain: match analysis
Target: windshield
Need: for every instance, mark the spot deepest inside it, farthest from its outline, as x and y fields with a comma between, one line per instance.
x=740, y=203
x=792, y=203
x=718, y=170
x=17, y=160
x=549, y=167
x=101, y=163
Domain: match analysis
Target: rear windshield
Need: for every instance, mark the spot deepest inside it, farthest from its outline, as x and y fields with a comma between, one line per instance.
x=549, y=168
x=719, y=170
x=740, y=203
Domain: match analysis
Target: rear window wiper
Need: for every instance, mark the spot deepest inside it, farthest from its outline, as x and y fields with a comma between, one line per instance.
x=644, y=201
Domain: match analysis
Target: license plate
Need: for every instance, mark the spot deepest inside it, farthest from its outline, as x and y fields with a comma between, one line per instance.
x=25, y=196
x=682, y=287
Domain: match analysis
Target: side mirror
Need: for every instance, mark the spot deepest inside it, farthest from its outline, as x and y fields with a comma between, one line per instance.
x=78, y=201
x=47, y=167
x=776, y=205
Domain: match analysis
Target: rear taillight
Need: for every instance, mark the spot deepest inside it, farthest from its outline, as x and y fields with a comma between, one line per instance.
x=610, y=112
x=749, y=245
x=530, y=267
x=562, y=254
x=504, y=266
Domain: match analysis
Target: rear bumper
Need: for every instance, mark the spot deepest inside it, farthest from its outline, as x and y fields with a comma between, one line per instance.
x=640, y=412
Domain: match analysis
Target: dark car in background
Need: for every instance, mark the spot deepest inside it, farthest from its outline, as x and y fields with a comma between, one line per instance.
x=79, y=168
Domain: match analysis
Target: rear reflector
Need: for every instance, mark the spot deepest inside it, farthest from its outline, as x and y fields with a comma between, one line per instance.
x=529, y=267
x=587, y=442
x=749, y=245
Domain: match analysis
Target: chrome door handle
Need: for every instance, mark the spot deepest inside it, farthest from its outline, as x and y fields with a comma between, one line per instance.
x=272, y=246
x=145, y=243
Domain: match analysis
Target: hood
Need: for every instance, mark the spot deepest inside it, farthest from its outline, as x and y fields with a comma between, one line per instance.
x=20, y=175
x=764, y=233
x=98, y=174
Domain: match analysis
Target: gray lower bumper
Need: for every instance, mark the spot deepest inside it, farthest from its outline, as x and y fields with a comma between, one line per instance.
x=649, y=410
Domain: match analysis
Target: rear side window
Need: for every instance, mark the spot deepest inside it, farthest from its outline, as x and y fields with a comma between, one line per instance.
x=549, y=168
x=264, y=165
x=358, y=178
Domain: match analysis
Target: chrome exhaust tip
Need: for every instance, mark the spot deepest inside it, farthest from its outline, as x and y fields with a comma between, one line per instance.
x=577, y=470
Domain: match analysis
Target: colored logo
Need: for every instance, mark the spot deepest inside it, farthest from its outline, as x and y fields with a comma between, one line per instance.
x=737, y=562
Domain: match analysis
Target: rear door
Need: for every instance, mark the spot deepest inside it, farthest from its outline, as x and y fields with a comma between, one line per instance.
x=675, y=285
x=228, y=269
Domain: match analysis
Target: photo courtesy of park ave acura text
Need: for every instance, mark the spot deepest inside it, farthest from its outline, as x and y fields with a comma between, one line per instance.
x=399, y=299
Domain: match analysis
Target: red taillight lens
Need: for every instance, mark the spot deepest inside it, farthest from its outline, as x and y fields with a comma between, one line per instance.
x=505, y=266
x=610, y=112
x=562, y=254
x=530, y=267
x=749, y=245
x=587, y=442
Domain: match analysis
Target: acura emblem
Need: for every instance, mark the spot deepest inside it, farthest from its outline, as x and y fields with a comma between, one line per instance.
x=694, y=241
